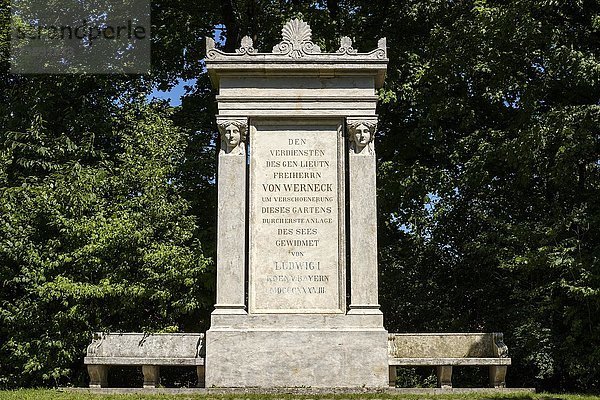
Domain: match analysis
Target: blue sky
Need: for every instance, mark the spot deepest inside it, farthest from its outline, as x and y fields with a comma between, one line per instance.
x=173, y=95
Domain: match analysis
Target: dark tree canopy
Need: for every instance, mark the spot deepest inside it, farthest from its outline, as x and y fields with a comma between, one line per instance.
x=489, y=182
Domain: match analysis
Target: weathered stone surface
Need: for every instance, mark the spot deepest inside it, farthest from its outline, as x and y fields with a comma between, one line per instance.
x=149, y=351
x=306, y=391
x=140, y=348
x=444, y=376
x=296, y=358
x=393, y=375
x=363, y=216
x=445, y=350
x=98, y=376
x=298, y=321
x=231, y=213
x=497, y=376
x=296, y=218
x=201, y=373
x=448, y=345
x=296, y=96
x=424, y=361
x=172, y=361
x=151, y=375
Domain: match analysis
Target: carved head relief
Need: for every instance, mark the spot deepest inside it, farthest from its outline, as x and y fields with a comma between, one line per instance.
x=232, y=134
x=361, y=134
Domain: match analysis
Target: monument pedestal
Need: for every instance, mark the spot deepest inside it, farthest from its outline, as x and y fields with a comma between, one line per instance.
x=315, y=351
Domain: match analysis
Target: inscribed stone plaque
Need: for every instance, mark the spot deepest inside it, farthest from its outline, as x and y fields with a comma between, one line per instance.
x=295, y=219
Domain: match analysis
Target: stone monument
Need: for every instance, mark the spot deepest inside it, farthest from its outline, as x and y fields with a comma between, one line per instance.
x=297, y=237
x=297, y=301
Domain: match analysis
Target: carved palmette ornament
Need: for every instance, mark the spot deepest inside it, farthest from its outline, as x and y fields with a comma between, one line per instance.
x=346, y=46
x=296, y=41
x=361, y=134
x=246, y=46
x=211, y=49
x=381, y=50
x=233, y=136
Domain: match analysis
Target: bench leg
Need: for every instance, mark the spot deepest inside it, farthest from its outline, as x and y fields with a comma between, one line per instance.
x=444, y=376
x=151, y=375
x=392, y=376
x=98, y=375
x=200, y=370
x=498, y=376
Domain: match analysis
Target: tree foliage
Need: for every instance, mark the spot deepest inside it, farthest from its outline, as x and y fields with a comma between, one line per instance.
x=489, y=180
x=489, y=175
x=94, y=235
x=98, y=231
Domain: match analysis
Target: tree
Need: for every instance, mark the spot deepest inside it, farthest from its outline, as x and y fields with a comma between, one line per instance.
x=92, y=239
x=490, y=173
x=97, y=231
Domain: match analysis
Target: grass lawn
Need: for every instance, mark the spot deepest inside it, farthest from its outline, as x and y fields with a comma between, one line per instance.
x=46, y=394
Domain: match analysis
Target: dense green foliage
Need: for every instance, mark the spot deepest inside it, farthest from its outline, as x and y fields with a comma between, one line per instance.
x=93, y=234
x=97, y=229
x=489, y=182
x=491, y=175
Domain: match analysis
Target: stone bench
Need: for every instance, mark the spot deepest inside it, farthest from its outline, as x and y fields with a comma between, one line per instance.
x=148, y=350
x=445, y=350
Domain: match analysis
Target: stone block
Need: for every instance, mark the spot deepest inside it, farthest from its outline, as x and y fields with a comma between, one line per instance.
x=298, y=358
x=98, y=376
x=143, y=347
x=444, y=376
x=446, y=345
x=498, y=376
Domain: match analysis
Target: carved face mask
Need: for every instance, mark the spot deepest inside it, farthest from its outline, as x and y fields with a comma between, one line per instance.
x=362, y=135
x=232, y=135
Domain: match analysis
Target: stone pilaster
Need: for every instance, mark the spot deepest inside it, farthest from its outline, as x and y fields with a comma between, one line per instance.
x=363, y=216
x=231, y=227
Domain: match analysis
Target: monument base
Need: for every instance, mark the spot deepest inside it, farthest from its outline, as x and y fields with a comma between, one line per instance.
x=309, y=357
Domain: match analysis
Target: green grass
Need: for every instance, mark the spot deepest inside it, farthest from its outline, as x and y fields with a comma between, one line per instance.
x=45, y=394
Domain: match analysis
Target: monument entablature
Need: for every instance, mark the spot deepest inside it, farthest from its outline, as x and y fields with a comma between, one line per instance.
x=296, y=79
x=297, y=45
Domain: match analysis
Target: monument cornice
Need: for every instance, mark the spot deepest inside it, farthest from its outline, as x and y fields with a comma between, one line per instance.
x=296, y=54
